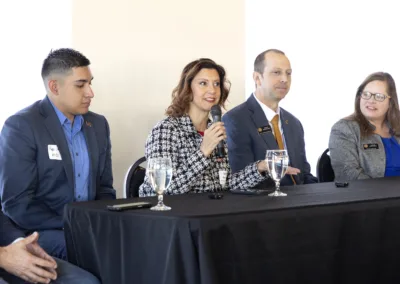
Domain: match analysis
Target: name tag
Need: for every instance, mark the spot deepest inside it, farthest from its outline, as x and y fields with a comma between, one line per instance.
x=264, y=129
x=370, y=146
x=54, y=153
x=222, y=177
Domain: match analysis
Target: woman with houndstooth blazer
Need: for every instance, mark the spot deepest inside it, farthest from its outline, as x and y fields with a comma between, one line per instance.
x=189, y=138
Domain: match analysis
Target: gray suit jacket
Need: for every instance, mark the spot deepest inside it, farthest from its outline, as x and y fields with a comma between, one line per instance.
x=355, y=158
x=247, y=142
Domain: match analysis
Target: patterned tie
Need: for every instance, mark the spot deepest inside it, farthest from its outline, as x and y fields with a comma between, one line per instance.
x=278, y=136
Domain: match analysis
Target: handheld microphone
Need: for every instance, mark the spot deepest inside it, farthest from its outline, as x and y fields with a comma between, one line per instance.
x=216, y=116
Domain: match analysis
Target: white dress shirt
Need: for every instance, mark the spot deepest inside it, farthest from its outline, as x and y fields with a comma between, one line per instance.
x=269, y=114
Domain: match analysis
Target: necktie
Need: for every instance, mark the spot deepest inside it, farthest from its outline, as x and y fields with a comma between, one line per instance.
x=277, y=132
x=278, y=136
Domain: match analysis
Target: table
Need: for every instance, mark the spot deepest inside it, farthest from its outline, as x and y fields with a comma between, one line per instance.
x=317, y=234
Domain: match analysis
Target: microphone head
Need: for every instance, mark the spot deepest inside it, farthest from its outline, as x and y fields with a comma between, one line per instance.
x=216, y=110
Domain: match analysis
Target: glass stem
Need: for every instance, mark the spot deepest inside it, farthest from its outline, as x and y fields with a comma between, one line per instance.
x=160, y=200
x=277, y=185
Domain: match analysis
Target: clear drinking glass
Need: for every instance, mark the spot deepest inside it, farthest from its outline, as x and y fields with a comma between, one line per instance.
x=159, y=172
x=278, y=162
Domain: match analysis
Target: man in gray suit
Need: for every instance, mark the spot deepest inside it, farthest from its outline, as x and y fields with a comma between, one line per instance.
x=259, y=124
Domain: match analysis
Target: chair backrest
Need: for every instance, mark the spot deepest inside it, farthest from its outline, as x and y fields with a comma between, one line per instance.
x=134, y=178
x=324, y=168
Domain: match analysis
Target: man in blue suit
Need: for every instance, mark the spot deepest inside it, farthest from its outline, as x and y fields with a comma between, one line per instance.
x=55, y=152
x=24, y=258
x=250, y=126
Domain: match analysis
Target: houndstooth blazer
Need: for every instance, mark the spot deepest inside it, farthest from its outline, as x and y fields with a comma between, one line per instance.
x=178, y=139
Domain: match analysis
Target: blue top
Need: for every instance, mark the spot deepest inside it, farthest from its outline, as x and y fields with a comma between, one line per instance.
x=392, y=150
x=79, y=153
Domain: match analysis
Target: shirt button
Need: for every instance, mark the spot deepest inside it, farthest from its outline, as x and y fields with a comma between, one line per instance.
x=79, y=175
x=77, y=153
x=79, y=196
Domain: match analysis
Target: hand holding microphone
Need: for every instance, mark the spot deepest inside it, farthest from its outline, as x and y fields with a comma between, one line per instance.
x=216, y=116
x=214, y=135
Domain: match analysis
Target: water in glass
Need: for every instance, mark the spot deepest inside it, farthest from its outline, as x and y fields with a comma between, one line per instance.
x=160, y=179
x=159, y=173
x=278, y=162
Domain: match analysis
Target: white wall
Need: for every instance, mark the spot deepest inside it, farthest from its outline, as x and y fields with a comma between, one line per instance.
x=138, y=49
x=332, y=47
x=26, y=39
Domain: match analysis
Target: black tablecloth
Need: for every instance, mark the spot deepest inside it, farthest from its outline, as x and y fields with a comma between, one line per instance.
x=317, y=234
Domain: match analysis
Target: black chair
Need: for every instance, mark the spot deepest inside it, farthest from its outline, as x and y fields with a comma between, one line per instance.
x=134, y=178
x=324, y=168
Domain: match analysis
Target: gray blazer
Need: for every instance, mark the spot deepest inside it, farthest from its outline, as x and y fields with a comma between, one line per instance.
x=355, y=158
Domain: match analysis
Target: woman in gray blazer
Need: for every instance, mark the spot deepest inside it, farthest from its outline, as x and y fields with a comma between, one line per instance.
x=366, y=144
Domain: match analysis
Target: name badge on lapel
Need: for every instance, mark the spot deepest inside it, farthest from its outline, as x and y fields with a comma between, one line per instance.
x=371, y=146
x=264, y=129
x=54, y=153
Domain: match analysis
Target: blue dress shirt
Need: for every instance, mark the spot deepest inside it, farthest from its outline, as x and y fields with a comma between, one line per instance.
x=392, y=150
x=79, y=153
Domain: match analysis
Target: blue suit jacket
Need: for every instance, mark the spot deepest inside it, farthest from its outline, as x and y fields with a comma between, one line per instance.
x=246, y=145
x=8, y=234
x=35, y=188
x=8, y=231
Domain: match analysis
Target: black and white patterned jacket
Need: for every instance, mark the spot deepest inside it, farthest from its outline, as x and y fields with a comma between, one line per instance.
x=178, y=139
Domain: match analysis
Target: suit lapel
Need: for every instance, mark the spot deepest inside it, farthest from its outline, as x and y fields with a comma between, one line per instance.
x=260, y=121
x=287, y=132
x=91, y=143
x=56, y=132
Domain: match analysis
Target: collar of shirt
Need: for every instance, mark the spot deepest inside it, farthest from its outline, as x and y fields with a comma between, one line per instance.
x=78, y=120
x=269, y=114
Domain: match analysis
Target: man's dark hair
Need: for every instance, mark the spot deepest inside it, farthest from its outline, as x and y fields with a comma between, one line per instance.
x=259, y=63
x=61, y=61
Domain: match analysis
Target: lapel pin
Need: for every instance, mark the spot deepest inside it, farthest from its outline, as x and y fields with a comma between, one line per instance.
x=88, y=124
x=286, y=121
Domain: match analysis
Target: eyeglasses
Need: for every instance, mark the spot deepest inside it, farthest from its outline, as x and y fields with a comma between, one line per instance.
x=377, y=96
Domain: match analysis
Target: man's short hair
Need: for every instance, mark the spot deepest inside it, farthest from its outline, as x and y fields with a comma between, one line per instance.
x=259, y=63
x=62, y=60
